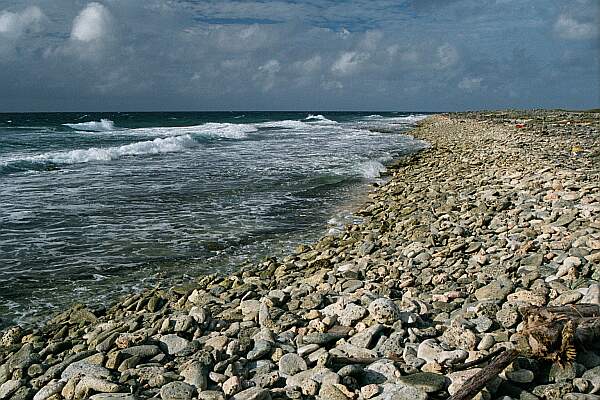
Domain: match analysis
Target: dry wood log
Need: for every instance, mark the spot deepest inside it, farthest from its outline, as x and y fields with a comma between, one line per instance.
x=478, y=381
x=549, y=333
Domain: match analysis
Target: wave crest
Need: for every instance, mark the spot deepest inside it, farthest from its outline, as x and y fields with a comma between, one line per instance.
x=103, y=125
x=371, y=169
x=50, y=161
x=320, y=119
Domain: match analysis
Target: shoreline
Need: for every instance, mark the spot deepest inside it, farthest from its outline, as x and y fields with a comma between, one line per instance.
x=502, y=211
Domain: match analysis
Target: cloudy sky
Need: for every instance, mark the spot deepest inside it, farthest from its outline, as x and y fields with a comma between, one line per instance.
x=298, y=54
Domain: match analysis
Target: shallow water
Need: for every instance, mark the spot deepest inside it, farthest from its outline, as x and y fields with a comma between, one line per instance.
x=96, y=205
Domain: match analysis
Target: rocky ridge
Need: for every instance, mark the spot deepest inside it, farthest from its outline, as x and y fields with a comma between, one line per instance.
x=502, y=211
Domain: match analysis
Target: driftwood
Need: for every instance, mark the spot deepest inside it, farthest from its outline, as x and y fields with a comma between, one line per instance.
x=549, y=333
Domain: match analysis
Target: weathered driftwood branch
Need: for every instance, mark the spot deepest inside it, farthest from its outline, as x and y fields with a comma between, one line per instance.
x=549, y=333
x=478, y=381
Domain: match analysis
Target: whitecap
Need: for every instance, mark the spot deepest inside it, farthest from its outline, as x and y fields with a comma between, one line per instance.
x=371, y=169
x=209, y=130
x=409, y=119
x=156, y=146
x=285, y=124
x=319, y=119
x=103, y=125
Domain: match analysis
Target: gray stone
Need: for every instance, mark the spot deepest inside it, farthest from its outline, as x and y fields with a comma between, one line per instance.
x=261, y=348
x=321, y=338
x=554, y=391
x=351, y=314
x=520, y=376
x=232, y=385
x=52, y=388
x=253, y=394
x=9, y=387
x=176, y=391
x=211, y=395
x=593, y=295
x=496, y=290
x=291, y=364
x=142, y=351
x=430, y=351
x=85, y=368
x=392, y=346
x=113, y=396
x=381, y=371
x=384, y=310
x=426, y=381
x=331, y=392
x=195, y=374
x=174, y=344
x=400, y=392
x=366, y=337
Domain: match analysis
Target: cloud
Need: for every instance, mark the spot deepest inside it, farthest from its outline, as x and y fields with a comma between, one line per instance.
x=306, y=54
x=92, y=23
x=568, y=27
x=447, y=56
x=16, y=27
x=349, y=63
x=470, y=84
x=267, y=74
x=15, y=24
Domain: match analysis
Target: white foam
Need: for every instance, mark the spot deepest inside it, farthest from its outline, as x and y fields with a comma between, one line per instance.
x=156, y=146
x=319, y=119
x=104, y=125
x=371, y=169
x=285, y=124
x=410, y=119
x=211, y=129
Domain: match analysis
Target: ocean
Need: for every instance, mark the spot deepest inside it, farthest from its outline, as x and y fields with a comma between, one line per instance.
x=96, y=205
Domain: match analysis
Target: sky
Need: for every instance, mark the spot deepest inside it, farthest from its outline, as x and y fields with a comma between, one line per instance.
x=403, y=55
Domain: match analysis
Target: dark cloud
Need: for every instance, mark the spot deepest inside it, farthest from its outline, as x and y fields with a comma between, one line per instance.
x=365, y=54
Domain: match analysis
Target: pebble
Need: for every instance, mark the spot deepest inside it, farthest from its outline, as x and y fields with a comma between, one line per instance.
x=490, y=218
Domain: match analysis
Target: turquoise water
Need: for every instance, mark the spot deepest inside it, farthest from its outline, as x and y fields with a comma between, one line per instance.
x=93, y=205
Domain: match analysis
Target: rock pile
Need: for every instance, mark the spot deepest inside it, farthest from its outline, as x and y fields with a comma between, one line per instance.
x=491, y=218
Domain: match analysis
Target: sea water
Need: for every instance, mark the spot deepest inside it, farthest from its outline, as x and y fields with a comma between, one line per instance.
x=95, y=205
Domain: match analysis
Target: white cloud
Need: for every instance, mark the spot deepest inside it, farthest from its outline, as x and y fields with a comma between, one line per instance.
x=309, y=66
x=349, y=62
x=267, y=74
x=14, y=24
x=447, y=56
x=92, y=23
x=470, y=84
x=569, y=28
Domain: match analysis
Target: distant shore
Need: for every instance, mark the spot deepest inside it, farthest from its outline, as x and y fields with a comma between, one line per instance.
x=502, y=211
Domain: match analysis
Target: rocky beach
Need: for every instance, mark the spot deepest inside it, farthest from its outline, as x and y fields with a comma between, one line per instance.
x=500, y=214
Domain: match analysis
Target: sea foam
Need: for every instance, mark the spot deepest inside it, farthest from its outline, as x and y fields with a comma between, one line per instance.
x=371, y=169
x=319, y=119
x=156, y=146
x=94, y=126
x=208, y=130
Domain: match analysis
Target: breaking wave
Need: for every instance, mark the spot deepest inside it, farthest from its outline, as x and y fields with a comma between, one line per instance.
x=103, y=125
x=49, y=161
x=371, y=169
x=320, y=119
